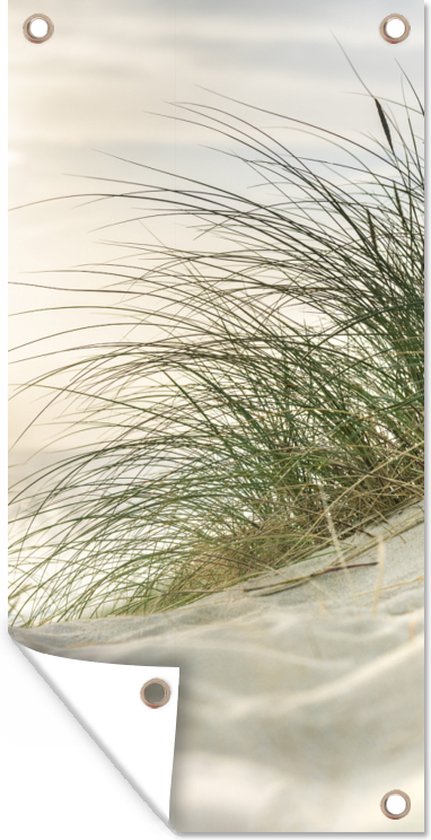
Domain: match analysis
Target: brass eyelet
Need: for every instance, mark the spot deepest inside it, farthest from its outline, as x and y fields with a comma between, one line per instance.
x=393, y=813
x=155, y=693
x=38, y=28
x=395, y=28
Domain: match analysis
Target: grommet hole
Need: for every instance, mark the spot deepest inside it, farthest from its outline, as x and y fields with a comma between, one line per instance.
x=395, y=804
x=395, y=28
x=38, y=28
x=155, y=693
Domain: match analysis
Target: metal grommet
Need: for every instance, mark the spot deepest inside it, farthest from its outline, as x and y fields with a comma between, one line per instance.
x=395, y=804
x=38, y=28
x=155, y=693
x=395, y=28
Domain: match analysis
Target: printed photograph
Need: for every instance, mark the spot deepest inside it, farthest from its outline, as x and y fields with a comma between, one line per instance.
x=216, y=387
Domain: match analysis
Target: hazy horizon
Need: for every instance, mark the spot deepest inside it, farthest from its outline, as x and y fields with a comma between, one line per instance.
x=90, y=90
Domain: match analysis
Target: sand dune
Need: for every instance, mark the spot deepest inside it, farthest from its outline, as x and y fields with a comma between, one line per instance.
x=298, y=710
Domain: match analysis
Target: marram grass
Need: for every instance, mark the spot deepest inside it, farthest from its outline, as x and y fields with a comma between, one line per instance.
x=268, y=391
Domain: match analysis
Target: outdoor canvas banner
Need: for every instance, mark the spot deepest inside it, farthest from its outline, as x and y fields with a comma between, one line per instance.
x=216, y=414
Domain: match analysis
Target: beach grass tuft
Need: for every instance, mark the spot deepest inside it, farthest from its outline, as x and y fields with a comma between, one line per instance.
x=270, y=376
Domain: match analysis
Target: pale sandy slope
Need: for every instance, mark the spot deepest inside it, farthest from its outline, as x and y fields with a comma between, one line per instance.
x=299, y=710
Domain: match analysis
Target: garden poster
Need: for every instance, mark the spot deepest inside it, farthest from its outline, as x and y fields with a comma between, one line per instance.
x=216, y=377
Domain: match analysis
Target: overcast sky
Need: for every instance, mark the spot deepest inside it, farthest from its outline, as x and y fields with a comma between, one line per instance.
x=89, y=90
